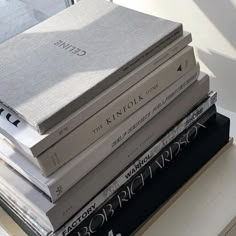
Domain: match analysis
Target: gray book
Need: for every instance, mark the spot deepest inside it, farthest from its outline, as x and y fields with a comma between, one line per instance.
x=53, y=69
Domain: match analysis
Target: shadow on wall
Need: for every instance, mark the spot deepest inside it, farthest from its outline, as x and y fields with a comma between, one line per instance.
x=223, y=16
x=224, y=82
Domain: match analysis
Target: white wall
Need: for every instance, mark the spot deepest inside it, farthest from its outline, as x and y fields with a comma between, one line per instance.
x=213, y=27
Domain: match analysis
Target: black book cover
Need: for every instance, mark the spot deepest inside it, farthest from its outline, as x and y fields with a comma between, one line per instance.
x=157, y=191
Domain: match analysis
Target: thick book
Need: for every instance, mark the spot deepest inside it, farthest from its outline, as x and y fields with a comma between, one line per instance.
x=59, y=65
x=57, y=214
x=68, y=175
x=31, y=142
x=146, y=201
x=115, y=112
x=158, y=189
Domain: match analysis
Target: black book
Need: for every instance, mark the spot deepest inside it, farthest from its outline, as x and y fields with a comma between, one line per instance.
x=154, y=162
x=163, y=185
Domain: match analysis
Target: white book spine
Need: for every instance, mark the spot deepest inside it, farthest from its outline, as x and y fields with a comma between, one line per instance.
x=117, y=111
x=29, y=141
x=137, y=165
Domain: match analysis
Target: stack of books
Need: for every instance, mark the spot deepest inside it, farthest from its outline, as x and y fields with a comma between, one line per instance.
x=104, y=114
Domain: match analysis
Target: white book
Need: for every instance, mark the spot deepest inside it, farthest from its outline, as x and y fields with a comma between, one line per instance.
x=67, y=176
x=116, y=112
x=16, y=180
x=59, y=65
x=30, y=142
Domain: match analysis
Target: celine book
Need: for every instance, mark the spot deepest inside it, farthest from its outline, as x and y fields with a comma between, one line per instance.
x=53, y=69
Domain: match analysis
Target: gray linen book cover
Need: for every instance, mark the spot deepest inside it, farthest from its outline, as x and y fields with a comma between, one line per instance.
x=51, y=70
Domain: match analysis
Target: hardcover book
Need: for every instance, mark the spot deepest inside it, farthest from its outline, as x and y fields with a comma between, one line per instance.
x=53, y=69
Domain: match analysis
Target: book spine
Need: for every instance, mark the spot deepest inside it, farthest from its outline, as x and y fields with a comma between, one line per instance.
x=162, y=186
x=30, y=142
x=159, y=163
x=117, y=111
x=139, y=163
x=98, y=151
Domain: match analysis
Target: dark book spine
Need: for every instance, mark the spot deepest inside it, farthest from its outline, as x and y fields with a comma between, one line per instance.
x=136, y=181
x=163, y=185
x=113, y=187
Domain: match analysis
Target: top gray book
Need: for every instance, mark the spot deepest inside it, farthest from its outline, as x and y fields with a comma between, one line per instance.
x=53, y=69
